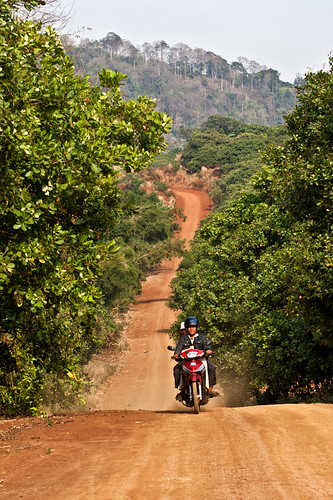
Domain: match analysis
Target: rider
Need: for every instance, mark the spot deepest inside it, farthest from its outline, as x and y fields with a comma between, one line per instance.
x=199, y=341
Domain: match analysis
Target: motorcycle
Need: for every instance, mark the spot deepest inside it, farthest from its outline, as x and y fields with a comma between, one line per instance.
x=194, y=378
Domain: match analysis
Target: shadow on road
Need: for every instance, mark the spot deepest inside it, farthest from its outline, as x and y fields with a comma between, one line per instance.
x=149, y=301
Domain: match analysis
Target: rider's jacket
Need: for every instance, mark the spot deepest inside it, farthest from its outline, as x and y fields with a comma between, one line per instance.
x=199, y=341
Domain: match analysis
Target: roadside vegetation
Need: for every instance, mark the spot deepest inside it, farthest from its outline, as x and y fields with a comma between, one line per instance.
x=220, y=158
x=67, y=149
x=231, y=151
x=259, y=274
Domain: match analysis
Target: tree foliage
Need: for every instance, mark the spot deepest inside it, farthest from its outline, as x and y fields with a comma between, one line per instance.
x=63, y=147
x=259, y=275
x=144, y=237
x=232, y=149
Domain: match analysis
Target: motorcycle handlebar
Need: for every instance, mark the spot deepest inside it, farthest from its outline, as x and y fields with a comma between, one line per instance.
x=183, y=357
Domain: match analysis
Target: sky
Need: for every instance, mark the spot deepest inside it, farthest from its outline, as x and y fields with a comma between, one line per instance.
x=290, y=36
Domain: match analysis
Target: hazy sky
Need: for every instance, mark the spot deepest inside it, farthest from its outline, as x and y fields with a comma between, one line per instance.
x=291, y=36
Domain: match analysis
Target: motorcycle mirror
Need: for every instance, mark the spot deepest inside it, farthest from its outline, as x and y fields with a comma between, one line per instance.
x=171, y=348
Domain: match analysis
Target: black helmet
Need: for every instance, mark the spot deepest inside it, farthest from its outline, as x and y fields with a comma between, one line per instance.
x=191, y=321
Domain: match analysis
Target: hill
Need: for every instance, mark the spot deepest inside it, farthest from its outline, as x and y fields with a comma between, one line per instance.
x=189, y=84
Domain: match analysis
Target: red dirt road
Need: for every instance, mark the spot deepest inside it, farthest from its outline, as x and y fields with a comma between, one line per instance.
x=136, y=386
x=142, y=445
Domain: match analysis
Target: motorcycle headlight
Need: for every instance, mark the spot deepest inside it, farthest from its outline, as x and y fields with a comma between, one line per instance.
x=192, y=354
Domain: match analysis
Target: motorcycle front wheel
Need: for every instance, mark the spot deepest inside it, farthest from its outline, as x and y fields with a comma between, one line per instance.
x=195, y=397
x=204, y=394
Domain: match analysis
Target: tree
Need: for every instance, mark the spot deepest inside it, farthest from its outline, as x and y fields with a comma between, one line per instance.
x=161, y=46
x=112, y=43
x=64, y=145
x=238, y=66
x=232, y=149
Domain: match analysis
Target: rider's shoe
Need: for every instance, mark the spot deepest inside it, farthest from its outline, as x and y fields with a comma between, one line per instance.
x=179, y=397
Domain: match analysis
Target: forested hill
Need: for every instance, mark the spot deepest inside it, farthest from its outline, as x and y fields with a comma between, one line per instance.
x=189, y=84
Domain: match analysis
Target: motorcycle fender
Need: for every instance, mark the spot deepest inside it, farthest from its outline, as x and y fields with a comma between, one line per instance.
x=195, y=377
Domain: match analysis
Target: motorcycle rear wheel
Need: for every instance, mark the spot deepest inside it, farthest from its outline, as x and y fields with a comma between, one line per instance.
x=195, y=397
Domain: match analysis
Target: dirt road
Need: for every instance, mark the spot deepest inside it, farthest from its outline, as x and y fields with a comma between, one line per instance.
x=138, y=387
x=139, y=444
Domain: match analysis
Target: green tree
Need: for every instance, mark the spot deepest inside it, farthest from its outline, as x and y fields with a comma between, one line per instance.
x=233, y=149
x=260, y=277
x=144, y=237
x=64, y=145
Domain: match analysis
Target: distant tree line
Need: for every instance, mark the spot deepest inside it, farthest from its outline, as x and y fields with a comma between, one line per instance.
x=189, y=84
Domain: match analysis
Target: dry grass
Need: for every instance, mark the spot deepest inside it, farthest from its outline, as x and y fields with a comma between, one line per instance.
x=178, y=178
x=103, y=365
